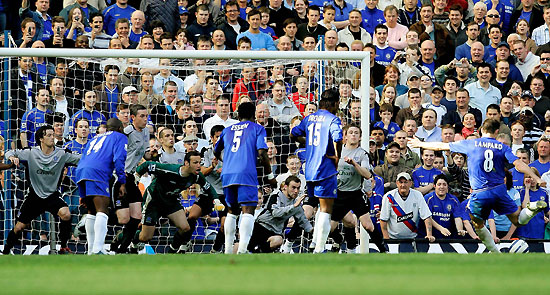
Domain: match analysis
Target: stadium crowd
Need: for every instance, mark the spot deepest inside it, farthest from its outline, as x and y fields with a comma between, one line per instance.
x=438, y=70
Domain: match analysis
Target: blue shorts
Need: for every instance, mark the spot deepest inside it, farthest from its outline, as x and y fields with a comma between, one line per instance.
x=482, y=202
x=325, y=189
x=93, y=188
x=244, y=195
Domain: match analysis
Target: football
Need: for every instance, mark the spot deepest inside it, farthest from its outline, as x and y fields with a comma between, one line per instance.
x=519, y=246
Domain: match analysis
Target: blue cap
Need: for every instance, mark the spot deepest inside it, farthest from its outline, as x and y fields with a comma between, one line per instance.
x=183, y=10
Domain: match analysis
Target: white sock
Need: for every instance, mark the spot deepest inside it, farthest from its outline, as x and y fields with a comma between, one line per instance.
x=229, y=229
x=487, y=239
x=324, y=231
x=100, y=229
x=90, y=232
x=525, y=215
x=315, y=232
x=245, y=232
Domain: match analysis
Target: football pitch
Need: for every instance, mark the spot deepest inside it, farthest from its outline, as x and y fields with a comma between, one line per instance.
x=276, y=274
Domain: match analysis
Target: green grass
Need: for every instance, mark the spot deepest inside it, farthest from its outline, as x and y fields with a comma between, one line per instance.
x=276, y=274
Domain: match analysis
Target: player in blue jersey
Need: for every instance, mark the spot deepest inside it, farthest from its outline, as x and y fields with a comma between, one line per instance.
x=103, y=155
x=487, y=158
x=35, y=118
x=242, y=143
x=322, y=134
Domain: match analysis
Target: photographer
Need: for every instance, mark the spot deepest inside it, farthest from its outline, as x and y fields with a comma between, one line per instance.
x=58, y=39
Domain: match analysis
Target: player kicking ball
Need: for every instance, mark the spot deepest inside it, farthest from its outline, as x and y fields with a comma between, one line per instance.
x=163, y=194
x=487, y=158
x=242, y=143
x=321, y=132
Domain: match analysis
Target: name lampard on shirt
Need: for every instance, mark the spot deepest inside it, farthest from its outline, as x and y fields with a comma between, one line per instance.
x=488, y=145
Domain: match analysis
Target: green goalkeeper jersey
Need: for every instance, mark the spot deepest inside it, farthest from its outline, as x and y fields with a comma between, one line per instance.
x=168, y=183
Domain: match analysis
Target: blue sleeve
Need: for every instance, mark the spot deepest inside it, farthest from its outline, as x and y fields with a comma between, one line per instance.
x=336, y=129
x=269, y=43
x=103, y=120
x=261, y=139
x=24, y=122
x=509, y=154
x=462, y=146
x=119, y=155
x=415, y=178
x=219, y=145
x=456, y=207
x=72, y=123
x=300, y=130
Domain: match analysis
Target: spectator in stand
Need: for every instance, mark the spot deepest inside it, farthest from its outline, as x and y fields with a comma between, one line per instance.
x=221, y=117
x=354, y=31
x=428, y=131
x=77, y=24
x=111, y=14
x=136, y=29
x=28, y=27
x=259, y=40
x=85, y=10
x=202, y=25
x=537, y=87
x=465, y=72
x=147, y=97
x=408, y=157
x=166, y=75
x=495, y=36
x=218, y=39
x=456, y=27
x=166, y=11
x=277, y=15
x=386, y=123
x=98, y=38
x=441, y=15
x=427, y=30
x=450, y=85
x=472, y=32
x=535, y=228
x=493, y=112
x=182, y=42
x=264, y=21
x=527, y=100
x=396, y=32
x=312, y=27
x=290, y=27
x=41, y=17
x=122, y=29
x=454, y=118
x=424, y=176
x=232, y=24
x=491, y=18
x=409, y=14
x=482, y=93
x=526, y=60
x=530, y=12
x=542, y=164
x=245, y=85
x=501, y=80
x=89, y=112
x=372, y=16
x=281, y=108
x=414, y=111
x=163, y=113
x=58, y=39
x=391, y=77
x=445, y=210
x=35, y=118
x=329, y=12
x=384, y=53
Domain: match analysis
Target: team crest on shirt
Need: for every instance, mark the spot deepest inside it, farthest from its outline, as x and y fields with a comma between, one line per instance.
x=388, y=56
x=55, y=158
x=449, y=207
x=334, y=192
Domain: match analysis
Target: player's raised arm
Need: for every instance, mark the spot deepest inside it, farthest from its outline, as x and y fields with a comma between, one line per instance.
x=436, y=146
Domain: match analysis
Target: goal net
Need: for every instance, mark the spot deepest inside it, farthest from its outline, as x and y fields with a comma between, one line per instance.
x=207, y=84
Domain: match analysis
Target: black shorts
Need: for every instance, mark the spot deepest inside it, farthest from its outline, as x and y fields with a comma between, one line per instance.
x=157, y=207
x=206, y=203
x=33, y=206
x=133, y=194
x=260, y=235
x=347, y=201
x=312, y=201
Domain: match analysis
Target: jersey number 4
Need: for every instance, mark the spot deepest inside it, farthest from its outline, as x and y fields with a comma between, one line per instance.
x=236, y=141
x=314, y=134
x=95, y=145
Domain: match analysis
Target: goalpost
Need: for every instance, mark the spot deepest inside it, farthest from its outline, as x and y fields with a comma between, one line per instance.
x=85, y=69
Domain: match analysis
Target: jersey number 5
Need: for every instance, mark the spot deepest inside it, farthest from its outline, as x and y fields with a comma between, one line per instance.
x=314, y=134
x=488, y=163
x=236, y=141
x=96, y=145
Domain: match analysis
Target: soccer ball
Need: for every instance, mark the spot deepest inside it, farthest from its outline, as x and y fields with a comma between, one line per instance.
x=519, y=246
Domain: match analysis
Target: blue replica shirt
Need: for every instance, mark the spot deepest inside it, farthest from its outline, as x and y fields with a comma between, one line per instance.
x=450, y=105
x=443, y=211
x=542, y=168
x=95, y=119
x=321, y=129
x=42, y=70
x=375, y=202
x=74, y=147
x=259, y=41
x=112, y=13
x=422, y=177
x=269, y=31
x=342, y=13
x=462, y=51
x=378, y=185
x=103, y=154
x=372, y=18
x=534, y=229
x=136, y=37
x=240, y=144
x=490, y=53
x=31, y=121
x=112, y=101
x=385, y=55
x=390, y=132
x=487, y=158
x=517, y=179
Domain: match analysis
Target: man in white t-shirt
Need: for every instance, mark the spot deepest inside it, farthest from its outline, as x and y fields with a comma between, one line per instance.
x=402, y=209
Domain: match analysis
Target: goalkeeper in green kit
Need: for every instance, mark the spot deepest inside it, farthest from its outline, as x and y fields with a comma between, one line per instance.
x=162, y=198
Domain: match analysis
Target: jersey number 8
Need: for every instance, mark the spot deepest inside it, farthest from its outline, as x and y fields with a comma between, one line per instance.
x=488, y=163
